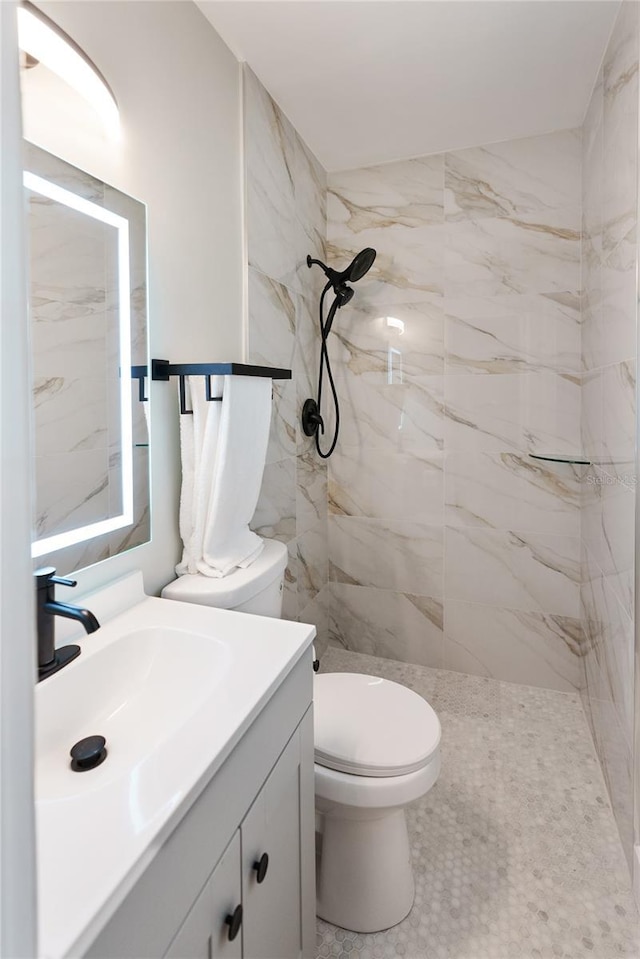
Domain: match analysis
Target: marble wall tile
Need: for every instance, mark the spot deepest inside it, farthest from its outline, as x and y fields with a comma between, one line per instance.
x=275, y=515
x=409, y=193
x=311, y=491
x=536, y=412
x=366, y=342
x=617, y=452
x=620, y=127
x=312, y=563
x=272, y=321
x=400, y=555
x=511, y=491
x=538, y=649
x=317, y=613
x=392, y=417
x=385, y=623
x=515, y=333
x=610, y=643
x=290, y=588
x=530, y=176
x=408, y=266
x=269, y=158
x=533, y=572
x=499, y=255
x=365, y=482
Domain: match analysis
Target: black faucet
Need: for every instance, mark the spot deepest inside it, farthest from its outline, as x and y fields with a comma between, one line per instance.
x=50, y=659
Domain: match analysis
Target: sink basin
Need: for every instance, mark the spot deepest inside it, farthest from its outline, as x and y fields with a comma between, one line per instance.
x=137, y=691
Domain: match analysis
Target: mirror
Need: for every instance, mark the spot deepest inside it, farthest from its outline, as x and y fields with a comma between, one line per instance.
x=88, y=315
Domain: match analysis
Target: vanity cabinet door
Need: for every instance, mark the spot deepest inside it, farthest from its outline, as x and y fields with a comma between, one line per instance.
x=205, y=932
x=271, y=874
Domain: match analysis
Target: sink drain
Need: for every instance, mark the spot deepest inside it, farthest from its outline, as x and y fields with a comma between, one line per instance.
x=88, y=753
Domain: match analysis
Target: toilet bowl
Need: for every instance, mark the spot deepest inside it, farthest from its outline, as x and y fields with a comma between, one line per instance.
x=376, y=751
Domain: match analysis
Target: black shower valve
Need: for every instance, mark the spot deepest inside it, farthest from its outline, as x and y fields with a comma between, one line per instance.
x=311, y=418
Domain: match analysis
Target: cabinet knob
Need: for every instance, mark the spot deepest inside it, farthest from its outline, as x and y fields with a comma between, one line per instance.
x=261, y=865
x=234, y=921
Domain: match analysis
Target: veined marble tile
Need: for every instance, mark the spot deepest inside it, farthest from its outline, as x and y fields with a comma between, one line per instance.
x=514, y=178
x=610, y=328
x=70, y=414
x=290, y=591
x=408, y=192
x=381, y=622
x=609, y=532
x=401, y=555
x=317, y=613
x=620, y=75
x=311, y=491
x=312, y=563
x=609, y=633
x=532, y=412
x=365, y=482
x=591, y=416
x=392, y=417
x=72, y=489
x=518, y=647
x=408, y=266
x=512, y=333
x=275, y=515
x=272, y=322
x=310, y=191
x=618, y=417
x=511, y=491
x=269, y=159
x=533, y=572
x=506, y=255
x=404, y=341
x=284, y=421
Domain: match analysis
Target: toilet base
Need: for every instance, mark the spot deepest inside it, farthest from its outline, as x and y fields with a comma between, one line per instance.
x=365, y=879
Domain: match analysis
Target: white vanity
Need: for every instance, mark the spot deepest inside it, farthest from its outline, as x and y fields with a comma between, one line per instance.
x=195, y=837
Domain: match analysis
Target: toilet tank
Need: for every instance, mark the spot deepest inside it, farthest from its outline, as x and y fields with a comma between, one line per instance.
x=256, y=589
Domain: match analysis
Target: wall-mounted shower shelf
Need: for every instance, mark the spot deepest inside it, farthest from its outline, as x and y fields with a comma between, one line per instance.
x=561, y=459
x=163, y=370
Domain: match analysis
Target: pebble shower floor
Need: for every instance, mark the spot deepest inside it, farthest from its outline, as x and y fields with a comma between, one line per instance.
x=516, y=854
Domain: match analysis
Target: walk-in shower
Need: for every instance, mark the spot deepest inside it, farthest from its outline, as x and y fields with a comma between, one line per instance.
x=312, y=419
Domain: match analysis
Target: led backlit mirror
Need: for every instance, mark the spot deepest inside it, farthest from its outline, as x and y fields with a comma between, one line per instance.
x=88, y=314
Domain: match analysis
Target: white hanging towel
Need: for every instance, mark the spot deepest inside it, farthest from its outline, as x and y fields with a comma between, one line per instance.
x=224, y=447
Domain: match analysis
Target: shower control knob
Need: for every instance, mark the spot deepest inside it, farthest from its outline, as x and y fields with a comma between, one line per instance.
x=311, y=418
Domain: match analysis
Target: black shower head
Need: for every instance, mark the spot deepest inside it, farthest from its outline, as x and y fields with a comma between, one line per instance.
x=361, y=264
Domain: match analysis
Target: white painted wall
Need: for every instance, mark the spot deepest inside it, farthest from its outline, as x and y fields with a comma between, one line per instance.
x=178, y=89
x=17, y=644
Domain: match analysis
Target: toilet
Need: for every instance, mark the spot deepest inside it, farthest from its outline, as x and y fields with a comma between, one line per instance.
x=376, y=751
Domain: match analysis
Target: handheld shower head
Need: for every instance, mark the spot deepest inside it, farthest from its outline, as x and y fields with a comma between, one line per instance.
x=361, y=264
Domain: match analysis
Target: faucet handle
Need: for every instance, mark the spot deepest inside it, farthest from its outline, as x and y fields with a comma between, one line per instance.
x=63, y=582
x=46, y=575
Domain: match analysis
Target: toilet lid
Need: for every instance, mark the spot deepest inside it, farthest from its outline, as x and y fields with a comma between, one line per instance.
x=369, y=726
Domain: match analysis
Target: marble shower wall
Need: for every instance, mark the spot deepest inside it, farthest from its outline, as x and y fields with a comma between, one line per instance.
x=610, y=177
x=449, y=545
x=286, y=220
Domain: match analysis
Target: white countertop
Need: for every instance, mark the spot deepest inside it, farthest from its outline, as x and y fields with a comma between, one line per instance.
x=97, y=831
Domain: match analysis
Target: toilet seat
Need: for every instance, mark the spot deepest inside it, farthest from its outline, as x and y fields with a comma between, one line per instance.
x=371, y=727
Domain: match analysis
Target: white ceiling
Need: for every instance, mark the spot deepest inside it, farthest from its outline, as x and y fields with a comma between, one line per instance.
x=367, y=81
